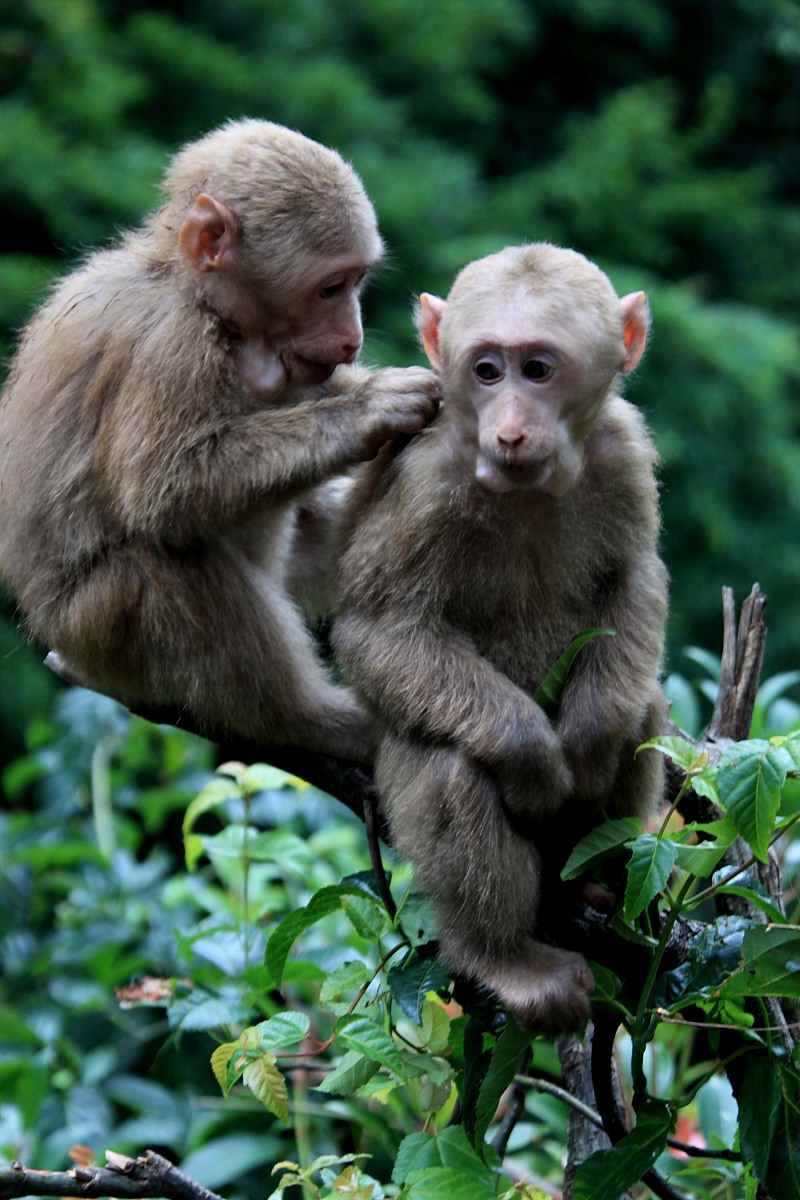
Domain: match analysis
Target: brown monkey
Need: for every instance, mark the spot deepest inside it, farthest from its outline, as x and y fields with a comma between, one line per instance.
x=168, y=414
x=524, y=514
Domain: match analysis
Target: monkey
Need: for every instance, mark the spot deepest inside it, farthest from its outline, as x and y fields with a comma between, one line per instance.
x=524, y=514
x=175, y=437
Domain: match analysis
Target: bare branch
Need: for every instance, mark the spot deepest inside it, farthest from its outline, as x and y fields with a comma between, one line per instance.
x=129, y=1178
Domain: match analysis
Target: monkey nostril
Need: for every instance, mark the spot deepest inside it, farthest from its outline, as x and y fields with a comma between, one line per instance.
x=511, y=440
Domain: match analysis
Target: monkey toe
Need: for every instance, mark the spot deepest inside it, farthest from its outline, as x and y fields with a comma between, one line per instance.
x=546, y=990
x=599, y=897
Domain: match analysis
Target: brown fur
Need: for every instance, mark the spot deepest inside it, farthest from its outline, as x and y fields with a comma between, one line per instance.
x=169, y=412
x=524, y=514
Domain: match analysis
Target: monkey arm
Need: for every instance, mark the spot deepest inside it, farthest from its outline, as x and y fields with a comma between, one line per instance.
x=226, y=465
x=426, y=678
x=612, y=695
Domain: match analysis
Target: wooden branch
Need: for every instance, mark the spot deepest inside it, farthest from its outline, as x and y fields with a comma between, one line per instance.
x=129, y=1178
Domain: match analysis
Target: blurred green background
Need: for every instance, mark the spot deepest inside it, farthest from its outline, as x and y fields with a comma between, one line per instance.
x=659, y=139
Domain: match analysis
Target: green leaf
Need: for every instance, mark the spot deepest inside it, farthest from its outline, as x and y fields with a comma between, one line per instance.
x=677, y=749
x=609, y=1173
x=409, y=984
x=321, y=904
x=713, y=956
x=551, y=689
x=416, y=1152
x=268, y=1085
x=361, y=1034
x=368, y=917
x=652, y=859
x=604, y=841
x=340, y=985
x=447, y=1183
x=217, y=792
x=503, y=1066
x=351, y=1073
x=284, y=1029
x=750, y=888
x=699, y=860
x=750, y=776
x=759, y=1105
x=770, y=964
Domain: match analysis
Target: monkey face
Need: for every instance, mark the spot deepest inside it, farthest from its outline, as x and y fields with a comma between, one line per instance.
x=531, y=395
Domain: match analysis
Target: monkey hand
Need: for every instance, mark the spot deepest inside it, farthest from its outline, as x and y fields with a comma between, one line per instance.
x=538, y=782
x=399, y=400
x=593, y=760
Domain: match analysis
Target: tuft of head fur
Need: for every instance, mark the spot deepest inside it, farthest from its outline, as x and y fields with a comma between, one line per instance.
x=292, y=191
x=573, y=286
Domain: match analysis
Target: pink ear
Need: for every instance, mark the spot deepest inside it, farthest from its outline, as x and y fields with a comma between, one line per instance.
x=428, y=321
x=207, y=234
x=634, y=313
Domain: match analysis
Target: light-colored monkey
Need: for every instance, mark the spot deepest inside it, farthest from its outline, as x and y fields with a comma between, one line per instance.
x=171, y=410
x=524, y=514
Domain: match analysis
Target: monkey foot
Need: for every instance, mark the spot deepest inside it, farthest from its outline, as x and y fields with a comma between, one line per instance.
x=545, y=989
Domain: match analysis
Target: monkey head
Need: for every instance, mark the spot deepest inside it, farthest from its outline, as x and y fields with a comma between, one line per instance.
x=528, y=345
x=275, y=234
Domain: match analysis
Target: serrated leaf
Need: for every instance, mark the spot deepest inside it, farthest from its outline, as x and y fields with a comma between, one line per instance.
x=447, y=1183
x=678, y=750
x=416, y=1152
x=343, y=981
x=435, y=1027
x=750, y=776
x=503, y=1066
x=284, y=1029
x=349, y=1075
x=609, y=1173
x=268, y=1085
x=321, y=904
x=551, y=689
x=368, y=917
x=219, y=1064
x=648, y=872
x=409, y=985
x=601, y=843
x=359, y=1033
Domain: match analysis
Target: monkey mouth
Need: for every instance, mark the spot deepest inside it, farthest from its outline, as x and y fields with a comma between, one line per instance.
x=306, y=370
x=511, y=474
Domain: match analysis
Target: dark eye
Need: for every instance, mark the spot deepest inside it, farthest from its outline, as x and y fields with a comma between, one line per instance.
x=486, y=370
x=535, y=369
x=331, y=289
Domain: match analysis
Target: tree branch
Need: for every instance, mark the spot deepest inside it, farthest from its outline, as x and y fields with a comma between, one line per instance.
x=124, y=1177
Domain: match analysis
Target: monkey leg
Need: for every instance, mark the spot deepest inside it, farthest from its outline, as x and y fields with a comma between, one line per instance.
x=205, y=629
x=445, y=813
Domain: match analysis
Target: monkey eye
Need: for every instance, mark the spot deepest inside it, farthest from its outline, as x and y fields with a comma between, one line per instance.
x=487, y=370
x=332, y=289
x=536, y=369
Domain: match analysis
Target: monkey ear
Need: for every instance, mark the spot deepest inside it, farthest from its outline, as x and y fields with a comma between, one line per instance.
x=634, y=312
x=429, y=316
x=207, y=234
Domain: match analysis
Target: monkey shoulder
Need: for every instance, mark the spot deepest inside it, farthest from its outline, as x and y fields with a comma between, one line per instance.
x=621, y=459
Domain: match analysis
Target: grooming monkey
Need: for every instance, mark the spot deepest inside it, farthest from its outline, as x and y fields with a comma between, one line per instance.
x=524, y=514
x=170, y=413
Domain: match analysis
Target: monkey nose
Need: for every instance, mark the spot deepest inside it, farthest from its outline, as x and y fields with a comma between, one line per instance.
x=511, y=439
x=349, y=350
